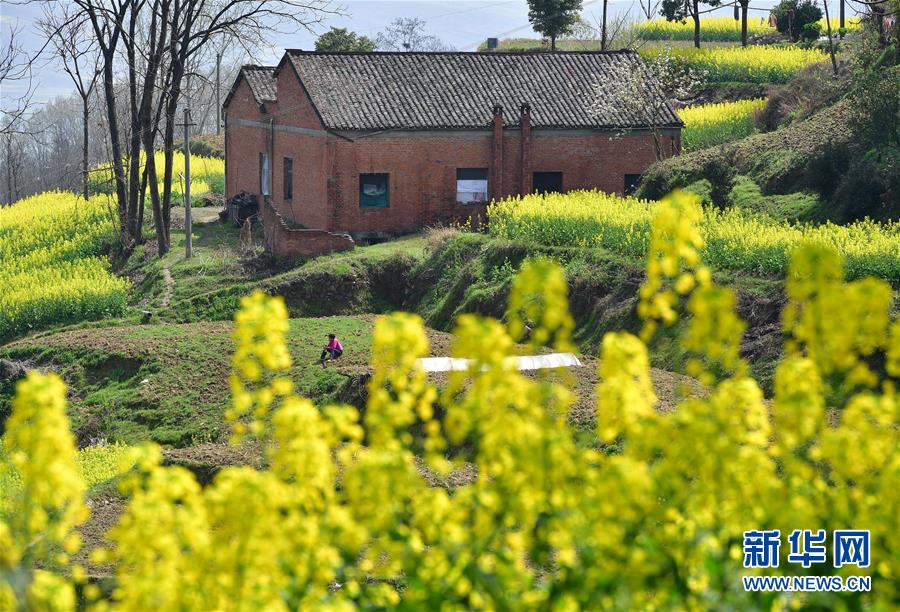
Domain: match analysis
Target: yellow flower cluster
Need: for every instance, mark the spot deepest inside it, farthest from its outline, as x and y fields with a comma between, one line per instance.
x=50, y=269
x=754, y=64
x=38, y=515
x=207, y=175
x=706, y=125
x=733, y=239
x=343, y=517
x=723, y=29
x=719, y=29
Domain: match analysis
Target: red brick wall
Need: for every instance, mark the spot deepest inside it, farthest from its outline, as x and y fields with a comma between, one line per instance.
x=243, y=144
x=421, y=165
x=286, y=242
x=307, y=150
x=422, y=182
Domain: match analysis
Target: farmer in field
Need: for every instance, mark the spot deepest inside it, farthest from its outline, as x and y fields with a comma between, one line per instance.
x=332, y=350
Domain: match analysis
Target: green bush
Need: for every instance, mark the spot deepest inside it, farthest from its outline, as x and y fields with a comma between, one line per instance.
x=811, y=31
x=804, y=12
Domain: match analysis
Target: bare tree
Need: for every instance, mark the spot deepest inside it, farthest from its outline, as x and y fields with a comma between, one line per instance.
x=620, y=30
x=650, y=8
x=408, y=34
x=15, y=81
x=645, y=91
x=76, y=50
x=157, y=41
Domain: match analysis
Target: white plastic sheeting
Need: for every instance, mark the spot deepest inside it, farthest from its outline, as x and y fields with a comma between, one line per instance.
x=530, y=362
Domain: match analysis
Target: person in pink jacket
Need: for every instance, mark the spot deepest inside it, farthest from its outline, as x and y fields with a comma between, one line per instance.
x=332, y=350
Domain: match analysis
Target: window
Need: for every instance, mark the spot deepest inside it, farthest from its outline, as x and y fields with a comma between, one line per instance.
x=264, y=173
x=631, y=183
x=373, y=190
x=547, y=182
x=471, y=185
x=288, y=178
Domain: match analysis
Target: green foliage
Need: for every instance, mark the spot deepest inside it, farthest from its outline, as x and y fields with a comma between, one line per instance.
x=782, y=161
x=720, y=173
x=804, y=12
x=553, y=18
x=811, y=31
x=800, y=206
x=342, y=39
x=168, y=383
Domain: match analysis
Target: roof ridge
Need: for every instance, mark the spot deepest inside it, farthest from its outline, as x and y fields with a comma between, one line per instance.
x=256, y=67
x=465, y=53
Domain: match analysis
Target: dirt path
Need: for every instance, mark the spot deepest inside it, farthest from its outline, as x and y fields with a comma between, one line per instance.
x=169, y=283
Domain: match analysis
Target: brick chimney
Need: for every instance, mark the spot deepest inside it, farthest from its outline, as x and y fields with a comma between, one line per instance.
x=525, y=123
x=497, y=155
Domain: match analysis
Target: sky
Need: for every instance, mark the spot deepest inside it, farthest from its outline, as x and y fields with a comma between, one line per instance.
x=463, y=24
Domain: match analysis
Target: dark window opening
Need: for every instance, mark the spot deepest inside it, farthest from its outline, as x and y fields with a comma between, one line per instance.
x=373, y=190
x=631, y=183
x=547, y=182
x=264, y=173
x=288, y=178
x=471, y=185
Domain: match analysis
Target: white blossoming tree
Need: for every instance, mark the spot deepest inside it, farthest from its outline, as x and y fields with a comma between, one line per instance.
x=641, y=91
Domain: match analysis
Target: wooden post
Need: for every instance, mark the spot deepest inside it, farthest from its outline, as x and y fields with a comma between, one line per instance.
x=188, y=238
x=218, y=94
x=830, y=41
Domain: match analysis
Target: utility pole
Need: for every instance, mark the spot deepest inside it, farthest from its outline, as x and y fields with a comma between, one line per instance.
x=603, y=40
x=842, y=18
x=830, y=41
x=188, y=238
x=218, y=100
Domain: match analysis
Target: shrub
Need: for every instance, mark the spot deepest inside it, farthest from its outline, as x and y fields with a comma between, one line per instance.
x=804, y=12
x=720, y=173
x=811, y=31
x=344, y=518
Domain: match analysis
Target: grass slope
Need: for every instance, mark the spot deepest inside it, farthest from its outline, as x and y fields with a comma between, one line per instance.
x=780, y=162
x=169, y=382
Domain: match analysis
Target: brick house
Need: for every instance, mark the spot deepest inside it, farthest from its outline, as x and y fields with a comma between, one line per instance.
x=377, y=144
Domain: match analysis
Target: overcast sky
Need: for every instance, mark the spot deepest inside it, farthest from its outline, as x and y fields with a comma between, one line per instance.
x=463, y=24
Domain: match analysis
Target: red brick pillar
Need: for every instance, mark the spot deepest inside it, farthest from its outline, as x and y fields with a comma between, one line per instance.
x=497, y=155
x=525, y=122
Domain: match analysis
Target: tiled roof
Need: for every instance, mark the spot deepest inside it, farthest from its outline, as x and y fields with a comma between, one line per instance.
x=261, y=80
x=378, y=91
